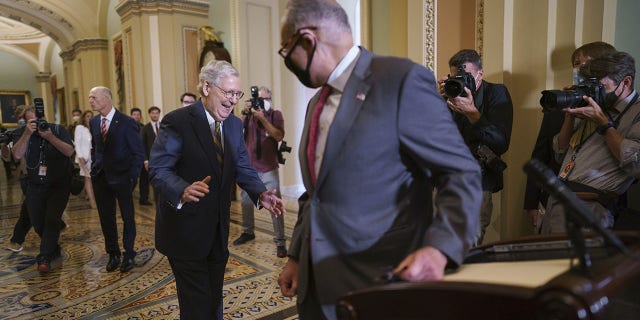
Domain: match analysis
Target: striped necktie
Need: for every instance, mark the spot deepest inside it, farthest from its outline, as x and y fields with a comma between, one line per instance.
x=217, y=139
x=313, y=132
x=103, y=129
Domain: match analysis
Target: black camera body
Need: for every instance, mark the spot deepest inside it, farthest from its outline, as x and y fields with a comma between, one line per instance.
x=572, y=98
x=43, y=125
x=7, y=136
x=283, y=148
x=257, y=103
x=454, y=86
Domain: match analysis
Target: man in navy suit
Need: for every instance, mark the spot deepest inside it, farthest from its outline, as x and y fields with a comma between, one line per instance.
x=197, y=154
x=376, y=141
x=117, y=157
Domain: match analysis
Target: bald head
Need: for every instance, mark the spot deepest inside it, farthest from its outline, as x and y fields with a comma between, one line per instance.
x=100, y=100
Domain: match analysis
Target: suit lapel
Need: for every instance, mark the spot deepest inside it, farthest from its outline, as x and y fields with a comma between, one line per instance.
x=350, y=105
x=202, y=130
x=113, y=127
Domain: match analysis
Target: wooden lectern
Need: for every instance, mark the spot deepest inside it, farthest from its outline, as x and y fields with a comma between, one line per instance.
x=532, y=278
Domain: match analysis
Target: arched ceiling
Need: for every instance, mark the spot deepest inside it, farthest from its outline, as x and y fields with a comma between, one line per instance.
x=28, y=28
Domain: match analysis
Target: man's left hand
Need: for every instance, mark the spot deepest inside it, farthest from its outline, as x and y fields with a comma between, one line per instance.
x=271, y=202
x=592, y=112
x=424, y=264
x=465, y=106
x=46, y=134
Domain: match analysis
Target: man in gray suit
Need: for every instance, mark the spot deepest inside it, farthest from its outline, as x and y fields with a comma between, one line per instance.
x=377, y=139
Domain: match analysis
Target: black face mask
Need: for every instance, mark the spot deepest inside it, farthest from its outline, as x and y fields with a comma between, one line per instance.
x=611, y=98
x=302, y=75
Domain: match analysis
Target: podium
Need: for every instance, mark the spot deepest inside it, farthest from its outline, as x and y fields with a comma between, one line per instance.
x=531, y=278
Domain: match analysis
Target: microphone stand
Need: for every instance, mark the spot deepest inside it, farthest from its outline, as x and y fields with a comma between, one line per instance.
x=578, y=214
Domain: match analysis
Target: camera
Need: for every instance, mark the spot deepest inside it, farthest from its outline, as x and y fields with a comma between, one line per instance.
x=43, y=125
x=257, y=103
x=454, y=86
x=7, y=136
x=572, y=97
x=283, y=148
x=489, y=159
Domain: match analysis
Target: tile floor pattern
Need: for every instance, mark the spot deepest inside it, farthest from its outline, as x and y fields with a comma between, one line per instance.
x=79, y=287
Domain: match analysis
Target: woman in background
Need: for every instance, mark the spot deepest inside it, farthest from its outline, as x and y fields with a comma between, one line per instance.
x=83, y=154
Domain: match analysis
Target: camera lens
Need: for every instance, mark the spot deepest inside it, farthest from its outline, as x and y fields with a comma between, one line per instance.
x=454, y=87
x=560, y=99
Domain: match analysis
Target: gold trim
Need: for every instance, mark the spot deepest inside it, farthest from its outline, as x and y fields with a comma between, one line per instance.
x=128, y=8
x=429, y=58
x=480, y=26
x=84, y=44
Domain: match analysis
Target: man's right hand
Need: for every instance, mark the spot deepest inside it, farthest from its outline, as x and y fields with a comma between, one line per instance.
x=196, y=190
x=533, y=216
x=288, y=279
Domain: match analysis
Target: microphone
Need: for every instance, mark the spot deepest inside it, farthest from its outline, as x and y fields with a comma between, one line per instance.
x=577, y=211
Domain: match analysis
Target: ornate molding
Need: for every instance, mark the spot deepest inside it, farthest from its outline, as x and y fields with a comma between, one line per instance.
x=429, y=57
x=480, y=27
x=35, y=15
x=84, y=44
x=128, y=8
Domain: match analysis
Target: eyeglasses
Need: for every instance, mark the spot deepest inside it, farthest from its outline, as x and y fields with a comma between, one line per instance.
x=284, y=52
x=231, y=94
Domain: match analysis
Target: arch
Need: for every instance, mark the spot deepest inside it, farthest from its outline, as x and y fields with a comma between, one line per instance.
x=40, y=18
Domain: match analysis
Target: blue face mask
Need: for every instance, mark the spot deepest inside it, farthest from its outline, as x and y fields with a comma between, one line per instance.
x=576, y=77
x=22, y=123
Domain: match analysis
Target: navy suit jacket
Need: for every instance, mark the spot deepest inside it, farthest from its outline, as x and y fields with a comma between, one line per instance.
x=392, y=140
x=184, y=152
x=120, y=156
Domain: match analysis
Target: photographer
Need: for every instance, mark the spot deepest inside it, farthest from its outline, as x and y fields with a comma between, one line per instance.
x=47, y=149
x=599, y=140
x=263, y=129
x=484, y=113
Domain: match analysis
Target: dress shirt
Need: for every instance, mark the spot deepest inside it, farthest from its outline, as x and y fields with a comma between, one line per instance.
x=109, y=118
x=337, y=80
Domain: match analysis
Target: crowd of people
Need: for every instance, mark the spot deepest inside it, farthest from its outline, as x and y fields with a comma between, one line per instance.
x=366, y=129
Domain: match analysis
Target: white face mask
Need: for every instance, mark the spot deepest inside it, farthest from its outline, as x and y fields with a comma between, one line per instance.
x=576, y=77
x=76, y=118
x=267, y=105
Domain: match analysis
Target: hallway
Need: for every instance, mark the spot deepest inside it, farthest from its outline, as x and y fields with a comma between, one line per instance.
x=78, y=287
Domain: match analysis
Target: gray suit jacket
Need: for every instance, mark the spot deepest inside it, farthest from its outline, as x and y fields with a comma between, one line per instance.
x=391, y=142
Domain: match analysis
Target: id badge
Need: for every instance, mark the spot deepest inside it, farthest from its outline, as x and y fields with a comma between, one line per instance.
x=564, y=173
x=42, y=171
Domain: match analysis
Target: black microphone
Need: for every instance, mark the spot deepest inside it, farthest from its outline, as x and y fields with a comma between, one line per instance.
x=577, y=211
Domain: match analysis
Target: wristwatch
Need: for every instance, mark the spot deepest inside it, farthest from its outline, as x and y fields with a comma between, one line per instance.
x=601, y=129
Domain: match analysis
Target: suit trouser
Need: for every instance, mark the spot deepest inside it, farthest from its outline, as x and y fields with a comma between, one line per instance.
x=199, y=285
x=271, y=181
x=486, y=209
x=106, y=195
x=45, y=205
x=144, y=185
x=22, y=226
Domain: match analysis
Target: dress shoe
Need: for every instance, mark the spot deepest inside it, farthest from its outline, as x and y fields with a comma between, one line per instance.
x=127, y=265
x=243, y=238
x=281, y=251
x=44, y=266
x=114, y=262
x=145, y=203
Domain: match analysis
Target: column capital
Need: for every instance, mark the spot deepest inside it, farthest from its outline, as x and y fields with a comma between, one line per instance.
x=43, y=76
x=128, y=8
x=84, y=44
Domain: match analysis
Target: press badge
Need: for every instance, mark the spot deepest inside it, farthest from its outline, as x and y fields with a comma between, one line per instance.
x=566, y=170
x=43, y=171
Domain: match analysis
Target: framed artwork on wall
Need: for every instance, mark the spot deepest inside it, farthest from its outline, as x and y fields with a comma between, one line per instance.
x=9, y=100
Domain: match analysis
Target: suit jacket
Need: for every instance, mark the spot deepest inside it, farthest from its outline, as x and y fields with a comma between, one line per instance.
x=184, y=152
x=148, y=137
x=120, y=156
x=391, y=141
x=543, y=151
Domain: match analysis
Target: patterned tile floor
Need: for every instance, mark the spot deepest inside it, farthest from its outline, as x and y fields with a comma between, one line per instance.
x=79, y=288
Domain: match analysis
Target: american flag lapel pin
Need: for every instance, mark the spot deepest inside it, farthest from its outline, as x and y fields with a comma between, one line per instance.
x=360, y=96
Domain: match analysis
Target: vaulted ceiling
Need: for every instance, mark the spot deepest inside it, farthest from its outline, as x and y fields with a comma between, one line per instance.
x=29, y=28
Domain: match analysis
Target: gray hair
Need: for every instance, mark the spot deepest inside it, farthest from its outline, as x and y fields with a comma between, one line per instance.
x=323, y=14
x=265, y=90
x=104, y=91
x=215, y=71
